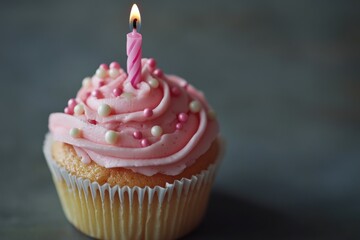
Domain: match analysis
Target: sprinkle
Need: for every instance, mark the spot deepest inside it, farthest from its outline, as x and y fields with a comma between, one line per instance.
x=67, y=110
x=153, y=82
x=175, y=91
x=92, y=121
x=104, y=110
x=148, y=112
x=152, y=63
x=179, y=126
x=75, y=132
x=104, y=66
x=145, y=143
x=137, y=135
x=111, y=137
x=195, y=106
x=101, y=73
x=96, y=93
x=72, y=103
x=86, y=82
x=158, y=73
x=79, y=109
x=117, y=92
x=115, y=65
x=183, y=117
x=156, y=131
x=101, y=83
x=114, y=72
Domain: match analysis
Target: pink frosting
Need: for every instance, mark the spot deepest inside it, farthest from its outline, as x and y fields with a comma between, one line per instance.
x=169, y=153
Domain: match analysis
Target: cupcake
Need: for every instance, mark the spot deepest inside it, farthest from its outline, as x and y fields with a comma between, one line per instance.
x=134, y=162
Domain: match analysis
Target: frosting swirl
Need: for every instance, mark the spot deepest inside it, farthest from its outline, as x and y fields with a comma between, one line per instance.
x=162, y=126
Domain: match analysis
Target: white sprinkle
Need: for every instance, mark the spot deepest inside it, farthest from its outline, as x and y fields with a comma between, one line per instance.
x=101, y=72
x=86, y=82
x=75, y=132
x=156, y=131
x=154, y=83
x=113, y=72
x=195, y=106
x=79, y=109
x=111, y=137
x=104, y=110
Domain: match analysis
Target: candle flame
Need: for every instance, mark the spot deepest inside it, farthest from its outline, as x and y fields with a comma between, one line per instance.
x=135, y=18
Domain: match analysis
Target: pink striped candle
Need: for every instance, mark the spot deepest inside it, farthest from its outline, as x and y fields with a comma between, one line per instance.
x=133, y=47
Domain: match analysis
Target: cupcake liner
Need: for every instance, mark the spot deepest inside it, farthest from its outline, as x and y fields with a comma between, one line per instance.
x=122, y=212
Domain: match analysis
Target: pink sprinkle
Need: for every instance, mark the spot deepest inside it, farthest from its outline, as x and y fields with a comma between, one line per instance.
x=183, y=117
x=88, y=94
x=101, y=83
x=145, y=142
x=67, y=110
x=104, y=66
x=115, y=65
x=175, y=91
x=96, y=93
x=179, y=126
x=72, y=103
x=158, y=73
x=117, y=92
x=92, y=121
x=148, y=112
x=152, y=64
x=137, y=135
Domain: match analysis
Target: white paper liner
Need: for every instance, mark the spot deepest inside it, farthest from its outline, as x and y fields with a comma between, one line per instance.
x=132, y=212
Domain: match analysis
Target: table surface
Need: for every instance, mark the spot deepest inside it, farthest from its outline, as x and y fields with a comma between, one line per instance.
x=282, y=75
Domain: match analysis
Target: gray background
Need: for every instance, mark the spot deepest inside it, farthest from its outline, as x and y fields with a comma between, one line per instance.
x=282, y=75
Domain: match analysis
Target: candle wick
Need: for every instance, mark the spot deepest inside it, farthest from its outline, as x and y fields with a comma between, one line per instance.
x=134, y=23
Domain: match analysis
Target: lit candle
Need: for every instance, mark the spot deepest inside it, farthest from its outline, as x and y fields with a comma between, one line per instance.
x=133, y=47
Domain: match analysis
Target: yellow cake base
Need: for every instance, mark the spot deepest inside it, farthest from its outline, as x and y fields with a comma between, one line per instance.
x=106, y=211
x=110, y=218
